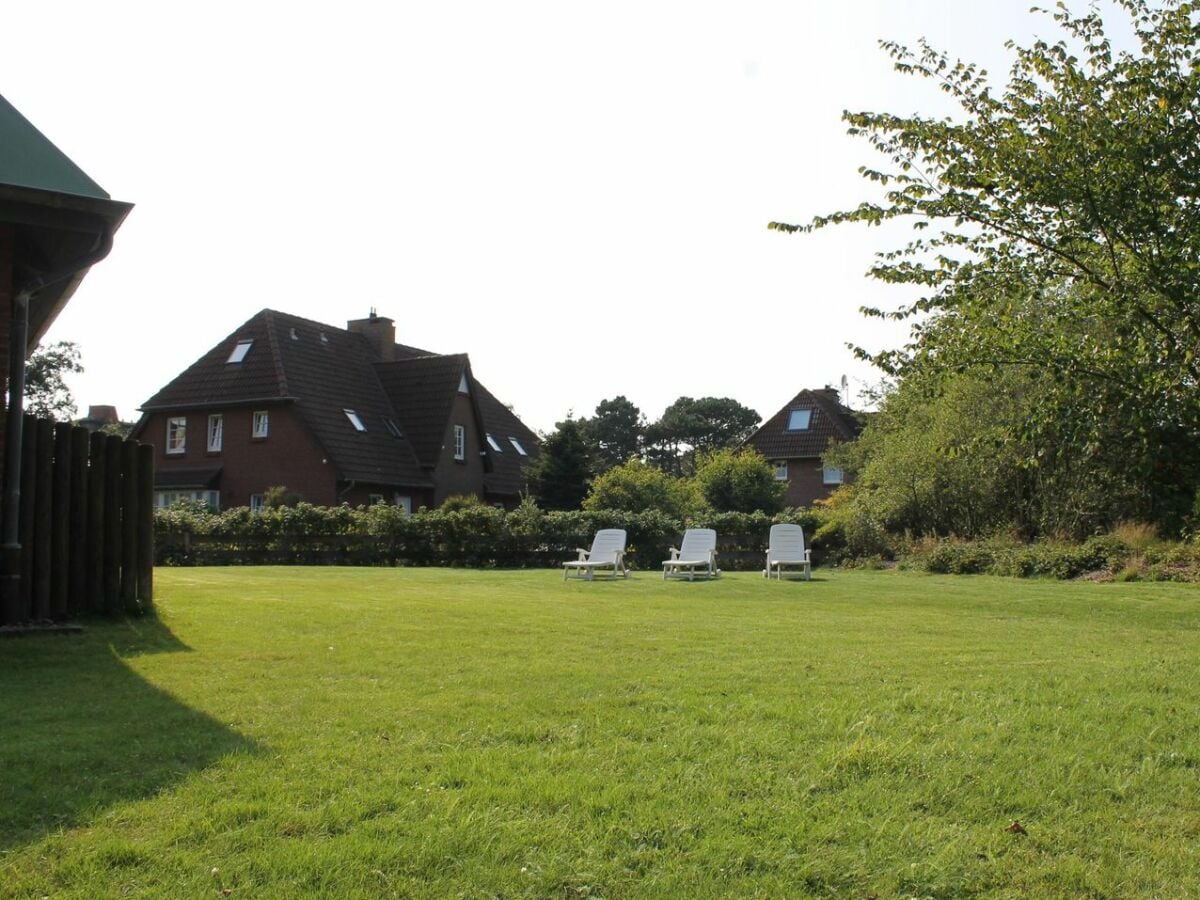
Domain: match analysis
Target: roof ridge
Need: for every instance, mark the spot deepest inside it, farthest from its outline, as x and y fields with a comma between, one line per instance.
x=276, y=356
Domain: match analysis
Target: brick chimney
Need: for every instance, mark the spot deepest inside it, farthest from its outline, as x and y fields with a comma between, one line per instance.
x=379, y=331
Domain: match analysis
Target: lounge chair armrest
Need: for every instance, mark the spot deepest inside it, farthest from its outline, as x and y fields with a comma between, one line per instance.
x=674, y=553
x=583, y=554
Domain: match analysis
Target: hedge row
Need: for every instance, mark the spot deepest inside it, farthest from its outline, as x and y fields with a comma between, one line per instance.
x=478, y=536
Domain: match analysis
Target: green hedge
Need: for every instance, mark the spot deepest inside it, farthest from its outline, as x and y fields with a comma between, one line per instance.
x=477, y=536
x=1104, y=554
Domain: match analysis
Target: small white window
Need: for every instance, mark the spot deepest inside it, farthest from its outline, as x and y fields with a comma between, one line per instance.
x=295, y=335
x=781, y=470
x=177, y=434
x=240, y=351
x=392, y=427
x=517, y=446
x=354, y=420
x=216, y=428
x=831, y=476
x=494, y=444
x=460, y=442
x=262, y=424
x=799, y=419
x=405, y=503
x=462, y=384
x=257, y=503
x=324, y=338
x=375, y=500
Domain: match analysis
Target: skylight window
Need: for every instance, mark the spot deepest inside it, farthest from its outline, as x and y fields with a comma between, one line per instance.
x=324, y=338
x=462, y=384
x=355, y=420
x=517, y=446
x=494, y=444
x=295, y=335
x=240, y=351
x=392, y=427
x=799, y=419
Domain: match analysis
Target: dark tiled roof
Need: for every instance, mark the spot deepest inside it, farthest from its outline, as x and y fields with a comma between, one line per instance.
x=506, y=477
x=422, y=391
x=830, y=421
x=325, y=370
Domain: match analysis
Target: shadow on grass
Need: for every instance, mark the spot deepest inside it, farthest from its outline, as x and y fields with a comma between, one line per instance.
x=81, y=731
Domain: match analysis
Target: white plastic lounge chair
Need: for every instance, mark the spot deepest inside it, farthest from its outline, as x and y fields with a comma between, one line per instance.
x=786, y=548
x=697, y=553
x=608, y=552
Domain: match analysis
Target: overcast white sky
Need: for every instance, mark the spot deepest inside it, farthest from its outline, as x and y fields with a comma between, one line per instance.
x=574, y=194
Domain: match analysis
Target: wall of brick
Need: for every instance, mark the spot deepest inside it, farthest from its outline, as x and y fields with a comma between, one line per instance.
x=452, y=476
x=288, y=456
x=806, y=482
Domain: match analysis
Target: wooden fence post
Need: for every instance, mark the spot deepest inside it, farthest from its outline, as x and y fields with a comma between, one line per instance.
x=112, y=524
x=60, y=521
x=95, y=547
x=129, y=524
x=77, y=528
x=145, y=552
x=43, y=466
x=29, y=437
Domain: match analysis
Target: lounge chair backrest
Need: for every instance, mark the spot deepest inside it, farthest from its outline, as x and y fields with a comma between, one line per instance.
x=787, y=543
x=698, y=543
x=607, y=545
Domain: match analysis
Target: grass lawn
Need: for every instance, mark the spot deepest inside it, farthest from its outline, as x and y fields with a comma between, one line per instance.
x=440, y=733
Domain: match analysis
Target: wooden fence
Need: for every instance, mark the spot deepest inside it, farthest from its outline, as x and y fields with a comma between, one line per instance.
x=87, y=526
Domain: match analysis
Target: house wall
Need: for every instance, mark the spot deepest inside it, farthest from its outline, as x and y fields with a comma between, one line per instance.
x=360, y=495
x=805, y=482
x=288, y=456
x=6, y=292
x=452, y=476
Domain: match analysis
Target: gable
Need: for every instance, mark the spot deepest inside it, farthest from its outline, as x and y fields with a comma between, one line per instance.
x=804, y=427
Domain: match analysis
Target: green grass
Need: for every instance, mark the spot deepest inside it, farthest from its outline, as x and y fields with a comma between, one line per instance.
x=438, y=733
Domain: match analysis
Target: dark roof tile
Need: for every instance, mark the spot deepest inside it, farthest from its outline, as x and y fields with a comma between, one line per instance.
x=830, y=421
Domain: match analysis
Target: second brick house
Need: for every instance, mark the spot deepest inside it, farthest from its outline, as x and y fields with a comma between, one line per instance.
x=334, y=415
x=795, y=438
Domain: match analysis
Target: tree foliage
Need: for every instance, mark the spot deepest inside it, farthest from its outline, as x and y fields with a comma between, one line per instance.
x=614, y=433
x=690, y=426
x=559, y=476
x=1057, y=234
x=637, y=487
x=46, y=391
x=739, y=481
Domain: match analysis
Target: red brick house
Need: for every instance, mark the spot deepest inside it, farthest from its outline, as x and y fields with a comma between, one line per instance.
x=795, y=438
x=334, y=415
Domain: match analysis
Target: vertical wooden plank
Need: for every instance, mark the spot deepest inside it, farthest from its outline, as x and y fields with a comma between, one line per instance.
x=130, y=517
x=145, y=453
x=77, y=527
x=95, y=514
x=29, y=437
x=43, y=520
x=112, y=524
x=60, y=523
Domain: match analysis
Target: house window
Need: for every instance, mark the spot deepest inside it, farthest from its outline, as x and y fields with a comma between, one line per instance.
x=517, y=446
x=257, y=503
x=392, y=427
x=324, y=338
x=295, y=335
x=375, y=500
x=163, y=499
x=262, y=424
x=799, y=419
x=239, y=352
x=781, y=470
x=494, y=444
x=831, y=476
x=354, y=420
x=460, y=442
x=405, y=503
x=462, y=384
x=216, y=428
x=177, y=434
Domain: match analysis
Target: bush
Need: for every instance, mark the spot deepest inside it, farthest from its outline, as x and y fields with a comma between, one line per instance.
x=739, y=481
x=635, y=486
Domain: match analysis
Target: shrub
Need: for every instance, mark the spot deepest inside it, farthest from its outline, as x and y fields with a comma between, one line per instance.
x=739, y=481
x=635, y=486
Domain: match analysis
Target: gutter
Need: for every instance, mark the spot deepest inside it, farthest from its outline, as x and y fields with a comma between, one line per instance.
x=10, y=529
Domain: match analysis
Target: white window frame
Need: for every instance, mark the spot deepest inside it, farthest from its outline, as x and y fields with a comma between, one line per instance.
x=517, y=445
x=258, y=502
x=355, y=420
x=238, y=353
x=460, y=443
x=375, y=500
x=404, y=501
x=163, y=499
x=463, y=387
x=807, y=421
x=830, y=475
x=176, y=435
x=494, y=444
x=781, y=470
x=260, y=423
x=216, y=432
